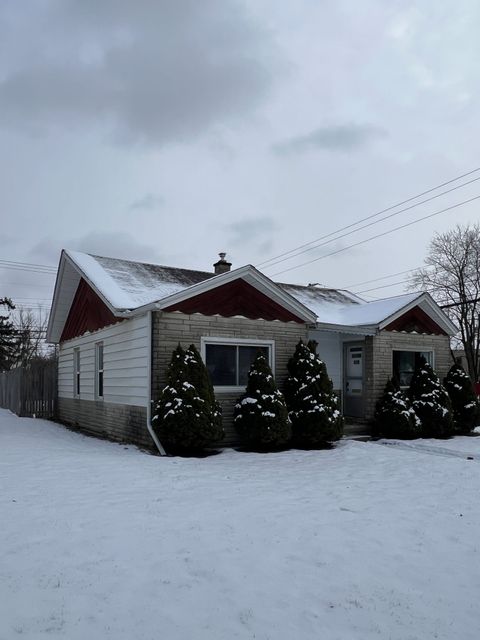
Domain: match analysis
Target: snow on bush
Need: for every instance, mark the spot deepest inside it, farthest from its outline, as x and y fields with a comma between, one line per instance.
x=187, y=417
x=313, y=407
x=465, y=407
x=430, y=402
x=260, y=415
x=394, y=416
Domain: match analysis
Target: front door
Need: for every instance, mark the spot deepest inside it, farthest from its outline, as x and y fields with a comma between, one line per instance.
x=353, y=380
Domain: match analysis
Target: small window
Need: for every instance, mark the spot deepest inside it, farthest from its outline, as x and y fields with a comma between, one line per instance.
x=99, y=369
x=229, y=363
x=76, y=372
x=405, y=362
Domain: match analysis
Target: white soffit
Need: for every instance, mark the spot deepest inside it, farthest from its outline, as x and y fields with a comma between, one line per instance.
x=68, y=279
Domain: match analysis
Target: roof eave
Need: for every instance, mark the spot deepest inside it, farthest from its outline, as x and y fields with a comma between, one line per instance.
x=65, y=259
x=363, y=330
x=53, y=308
x=436, y=313
x=115, y=310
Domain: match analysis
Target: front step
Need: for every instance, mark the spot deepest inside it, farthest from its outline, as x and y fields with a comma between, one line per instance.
x=352, y=429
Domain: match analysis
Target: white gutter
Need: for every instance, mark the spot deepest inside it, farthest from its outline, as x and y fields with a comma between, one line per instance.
x=157, y=442
x=361, y=330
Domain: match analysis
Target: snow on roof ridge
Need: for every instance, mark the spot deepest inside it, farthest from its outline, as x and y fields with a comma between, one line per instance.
x=128, y=284
x=415, y=294
x=100, y=278
x=141, y=262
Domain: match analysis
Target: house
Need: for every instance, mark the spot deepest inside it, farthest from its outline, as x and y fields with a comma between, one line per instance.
x=117, y=322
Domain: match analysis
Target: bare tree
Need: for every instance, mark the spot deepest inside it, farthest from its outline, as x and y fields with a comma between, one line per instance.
x=452, y=276
x=31, y=330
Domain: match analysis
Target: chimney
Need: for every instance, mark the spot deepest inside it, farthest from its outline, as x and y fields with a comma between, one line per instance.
x=222, y=266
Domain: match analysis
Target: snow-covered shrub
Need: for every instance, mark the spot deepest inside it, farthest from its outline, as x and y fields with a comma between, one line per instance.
x=312, y=405
x=260, y=415
x=187, y=418
x=394, y=416
x=430, y=402
x=465, y=407
x=197, y=375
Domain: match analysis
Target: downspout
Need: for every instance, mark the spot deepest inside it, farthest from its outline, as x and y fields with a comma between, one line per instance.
x=157, y=442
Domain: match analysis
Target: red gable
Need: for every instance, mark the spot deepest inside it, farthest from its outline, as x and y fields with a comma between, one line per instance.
x=416, y=320
x=87, y=313
x=237, y=298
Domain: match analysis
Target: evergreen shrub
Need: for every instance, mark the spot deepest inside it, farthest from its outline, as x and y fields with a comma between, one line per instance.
x=430, y=402
x=260, y=415
x=187, y=418
x=465, y=406
x=394, y=416
x=312, y=404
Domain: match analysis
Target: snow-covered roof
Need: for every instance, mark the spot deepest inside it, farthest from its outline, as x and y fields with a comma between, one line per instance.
x=325, y=303
x=338, y=306
x=342, y=308
x=128, y=285
x=371, y=313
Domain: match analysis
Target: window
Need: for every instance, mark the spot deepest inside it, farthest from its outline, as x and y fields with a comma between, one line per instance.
x=404, y=363
x=99, y=369
x=76, y=372
x=228, y=361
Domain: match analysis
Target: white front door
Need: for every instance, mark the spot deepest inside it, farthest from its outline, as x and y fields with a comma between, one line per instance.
x=353, y=380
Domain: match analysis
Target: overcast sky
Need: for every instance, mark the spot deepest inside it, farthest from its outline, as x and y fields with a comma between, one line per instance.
x=168, y=131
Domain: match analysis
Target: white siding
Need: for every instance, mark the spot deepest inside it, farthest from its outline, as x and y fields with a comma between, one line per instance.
x=330, y=349
x=125, y=355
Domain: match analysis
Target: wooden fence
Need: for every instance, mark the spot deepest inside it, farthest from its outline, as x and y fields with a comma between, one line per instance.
x=30, y=391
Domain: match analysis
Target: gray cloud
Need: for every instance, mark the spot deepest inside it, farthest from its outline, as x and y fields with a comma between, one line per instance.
x=153, y=71
x=332, y=138
x=254, y=234
x=115, y=244
x=148, y=202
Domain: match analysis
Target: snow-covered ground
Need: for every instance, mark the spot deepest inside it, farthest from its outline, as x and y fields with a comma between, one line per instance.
x=99, y=540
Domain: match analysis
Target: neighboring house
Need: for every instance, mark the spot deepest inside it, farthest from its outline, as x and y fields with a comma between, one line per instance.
x=117, y=323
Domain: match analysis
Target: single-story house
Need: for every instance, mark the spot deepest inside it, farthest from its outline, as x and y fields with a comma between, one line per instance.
x=117, y=322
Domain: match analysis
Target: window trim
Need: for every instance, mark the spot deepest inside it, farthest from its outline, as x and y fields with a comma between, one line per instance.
x=415, y=349
x=76, y=372
x=239, y=342
x=99, y=371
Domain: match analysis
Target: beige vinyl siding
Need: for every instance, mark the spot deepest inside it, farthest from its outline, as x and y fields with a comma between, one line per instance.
x=125, y=355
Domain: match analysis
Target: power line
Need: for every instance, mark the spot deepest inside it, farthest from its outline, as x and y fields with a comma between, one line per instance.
x=29, y=264
x=370, y=224
x=40, y=307
x=392, y=275
x=374, y=215
x=29, y=269
x=36, y=299
x=457, y=304
x=26, y=284
x=385, y=286
x=378, y=235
